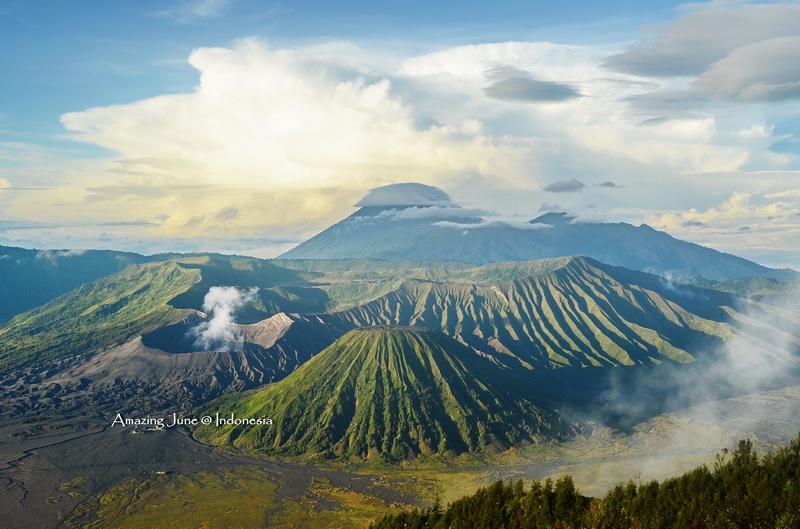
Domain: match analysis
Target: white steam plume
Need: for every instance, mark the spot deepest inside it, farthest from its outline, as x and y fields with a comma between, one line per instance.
x=220, y=333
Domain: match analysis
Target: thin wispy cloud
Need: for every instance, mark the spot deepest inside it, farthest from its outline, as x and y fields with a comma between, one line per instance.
x=192, y=10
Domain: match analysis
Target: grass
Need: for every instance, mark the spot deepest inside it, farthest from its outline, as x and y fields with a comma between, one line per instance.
x=108, y=311
x=229, y=498
x=73, y=483
x=382, y=392
x=353, y=509
x=238, y=497
x=662, y=447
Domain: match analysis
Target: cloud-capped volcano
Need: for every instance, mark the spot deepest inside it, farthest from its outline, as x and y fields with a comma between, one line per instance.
x=419, y=222
x=406, y=194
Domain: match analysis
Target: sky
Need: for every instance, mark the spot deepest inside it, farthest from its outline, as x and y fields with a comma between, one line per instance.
x=244, y=126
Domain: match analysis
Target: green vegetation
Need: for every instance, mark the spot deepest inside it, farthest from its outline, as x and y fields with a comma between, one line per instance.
x=569, y=311
x=108, y=311
x=29, y=278
x=73, y=483
x=386, y=393
x=371, y=265
x=740, y=491
x=279, y=289
x=555, y=313
x=227, y=498
x=240, y=496
x=352, y=510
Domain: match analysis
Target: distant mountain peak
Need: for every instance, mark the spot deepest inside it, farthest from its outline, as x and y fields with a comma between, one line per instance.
x=405, y=195
x=419, y=222
x=554, y=218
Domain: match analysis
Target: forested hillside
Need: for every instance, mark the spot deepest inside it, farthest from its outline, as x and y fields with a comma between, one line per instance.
x=741, y=490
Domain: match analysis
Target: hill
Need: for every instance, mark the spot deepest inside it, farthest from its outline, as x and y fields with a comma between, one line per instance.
x=387, y=392
x=110, y=310
x=133, y=336
x=29, y=278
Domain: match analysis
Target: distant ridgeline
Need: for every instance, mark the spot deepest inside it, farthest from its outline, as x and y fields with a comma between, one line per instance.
x=741, y=490
x=415, y=221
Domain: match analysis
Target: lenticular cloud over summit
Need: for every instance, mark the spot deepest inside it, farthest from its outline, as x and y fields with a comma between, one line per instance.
x=406, y=194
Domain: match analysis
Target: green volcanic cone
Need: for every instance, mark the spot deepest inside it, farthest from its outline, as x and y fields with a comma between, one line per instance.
x=393, y=392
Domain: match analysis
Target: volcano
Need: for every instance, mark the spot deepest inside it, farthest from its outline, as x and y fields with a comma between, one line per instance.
x=418, y=222
x=392, y=392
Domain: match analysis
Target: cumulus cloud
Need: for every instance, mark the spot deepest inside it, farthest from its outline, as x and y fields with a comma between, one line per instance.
x=685, y=144
x=220, y=333
x=600, y=124
x=737, y=208
x=281, y=125
x=771, y=220
x=565, y=186
x=193, y=10
x=284, y=141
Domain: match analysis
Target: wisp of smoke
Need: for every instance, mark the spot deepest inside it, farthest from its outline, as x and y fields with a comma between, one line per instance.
x=220, y=333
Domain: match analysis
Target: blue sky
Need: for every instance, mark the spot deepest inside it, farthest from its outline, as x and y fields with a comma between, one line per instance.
x=246, y=126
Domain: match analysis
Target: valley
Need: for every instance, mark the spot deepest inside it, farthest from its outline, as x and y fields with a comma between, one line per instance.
x=109, y=477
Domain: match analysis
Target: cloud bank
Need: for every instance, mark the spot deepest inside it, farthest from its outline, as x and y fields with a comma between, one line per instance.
x=276, y=143
x=747, y=53
x=278, y=125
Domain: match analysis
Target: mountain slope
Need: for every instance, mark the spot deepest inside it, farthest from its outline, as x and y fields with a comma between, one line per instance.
x=29, y=278
x=142, y=298
x=559, y=312
x=396, y=392
x=153, y=372
x=110, y=310
x=429, y=232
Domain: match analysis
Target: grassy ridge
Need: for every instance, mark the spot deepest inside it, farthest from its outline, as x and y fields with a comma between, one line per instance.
x=553, y=313
x=386, y=392
x=98, y=314
x=29, y=278
x=569, y=311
